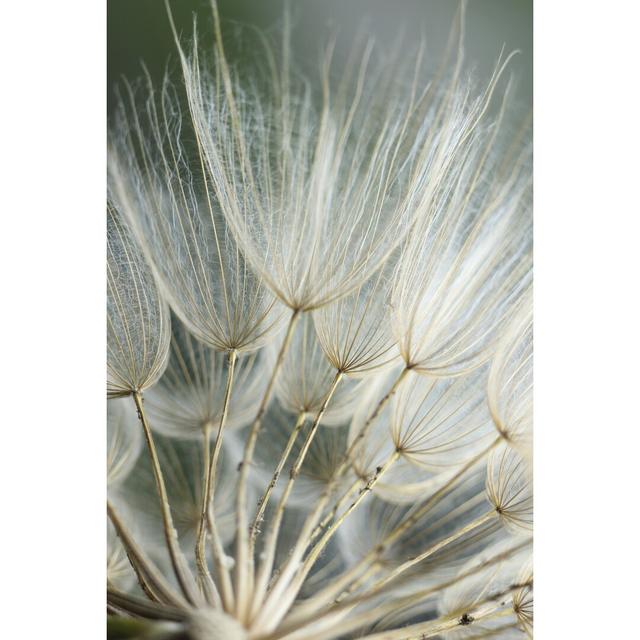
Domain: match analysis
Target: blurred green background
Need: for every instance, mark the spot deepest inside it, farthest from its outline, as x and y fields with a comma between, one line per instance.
x=138, y=30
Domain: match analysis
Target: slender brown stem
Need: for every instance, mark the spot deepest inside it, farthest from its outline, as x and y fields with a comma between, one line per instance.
x=178, y=561
x=244, y=562
x=138, y=607
x=265, y=616
x=363, y=492
x=211, y=463
x=489, y=607
x=347, y=457
x=368, y=616
x=151, y=580
x=272, y=538
x=326, y=595
x=334, y=510
x=205, y=580
x=264, y=500
x=474, y=524
x=480, y=609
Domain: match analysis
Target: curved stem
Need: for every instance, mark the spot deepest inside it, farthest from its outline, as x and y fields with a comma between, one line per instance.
x=244, y=563
x=209, y=490
x=178, y=561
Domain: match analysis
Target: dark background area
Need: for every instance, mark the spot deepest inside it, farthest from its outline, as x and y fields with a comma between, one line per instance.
x=138, y=30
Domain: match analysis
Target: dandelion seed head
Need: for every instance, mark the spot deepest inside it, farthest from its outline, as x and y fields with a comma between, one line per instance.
x=363, y=472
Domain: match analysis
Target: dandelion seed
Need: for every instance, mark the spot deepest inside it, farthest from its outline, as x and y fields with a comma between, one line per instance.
x=510, y=386
x=178, y=222
x=138, y=325
x=429, y=427
x=189, y=398
x=509, y=489
x=467, y=265
x=346, y=186
x=355, y=331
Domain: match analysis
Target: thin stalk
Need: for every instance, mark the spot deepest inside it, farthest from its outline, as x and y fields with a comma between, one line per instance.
x=364, y=430
x=421, y=595
x=328, y=594
x=348, y=456
x=147, y=589
x=399, y=570
x=264, y=500
x=211, y=465
x=178, y=561
x=220, y=561
x=244, y=565
x=322, y=543
x=304, y=539
x=266, y=565
x=139, y=607
x=371, y=615
x=490, y=607
x=424, y=631
x=151, y=580
x=334, y=510
x=205, y=580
